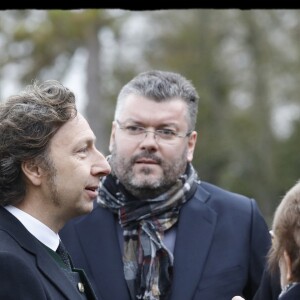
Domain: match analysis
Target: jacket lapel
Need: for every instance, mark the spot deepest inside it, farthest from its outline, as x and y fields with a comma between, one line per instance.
x=194, y=236
x=54, y=274
x=43, y=260
x=99, y=237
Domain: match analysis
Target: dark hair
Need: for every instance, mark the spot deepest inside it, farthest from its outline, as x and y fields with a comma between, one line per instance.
x=162, y=86
x=28, y=121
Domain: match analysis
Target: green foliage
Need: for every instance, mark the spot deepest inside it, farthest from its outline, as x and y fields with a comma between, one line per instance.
x=244, y=65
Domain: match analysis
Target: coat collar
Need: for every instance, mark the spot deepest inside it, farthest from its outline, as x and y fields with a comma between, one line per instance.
x=199, y=221
x=30, y=244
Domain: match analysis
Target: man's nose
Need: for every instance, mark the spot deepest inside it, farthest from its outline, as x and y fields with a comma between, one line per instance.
x=101, y=167
x=150, y=139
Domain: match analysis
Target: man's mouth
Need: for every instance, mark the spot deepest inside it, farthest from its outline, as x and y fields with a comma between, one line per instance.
x=92, y=191
x=146, y=161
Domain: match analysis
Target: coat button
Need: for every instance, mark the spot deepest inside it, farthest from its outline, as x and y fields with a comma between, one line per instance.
x=80, y=287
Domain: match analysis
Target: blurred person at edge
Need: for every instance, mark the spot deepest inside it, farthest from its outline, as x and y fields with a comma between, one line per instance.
x=49, y=173
x=285, y=250
x=157, y=231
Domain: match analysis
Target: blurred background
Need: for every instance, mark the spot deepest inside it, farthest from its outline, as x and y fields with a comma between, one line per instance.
x=245, y=65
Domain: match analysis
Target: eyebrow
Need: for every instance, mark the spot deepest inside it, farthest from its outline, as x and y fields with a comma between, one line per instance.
x=142, y=123
x=87, y=140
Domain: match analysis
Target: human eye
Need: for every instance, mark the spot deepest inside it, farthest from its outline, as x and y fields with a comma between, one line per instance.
x=83, y=150
x=134, y=129
x=166, y=133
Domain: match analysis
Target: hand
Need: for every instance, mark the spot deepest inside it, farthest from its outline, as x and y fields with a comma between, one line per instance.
x=237, y=298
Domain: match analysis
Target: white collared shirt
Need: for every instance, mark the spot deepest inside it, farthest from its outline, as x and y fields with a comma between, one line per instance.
x=38, y=229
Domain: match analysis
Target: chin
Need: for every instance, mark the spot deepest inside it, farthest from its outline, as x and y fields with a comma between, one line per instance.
x=85, y=209
x=148, y=182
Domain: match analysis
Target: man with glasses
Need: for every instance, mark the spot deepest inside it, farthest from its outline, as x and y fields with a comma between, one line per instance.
x=157, y=231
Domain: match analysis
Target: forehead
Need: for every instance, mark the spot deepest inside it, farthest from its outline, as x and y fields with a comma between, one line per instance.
x=143, y=109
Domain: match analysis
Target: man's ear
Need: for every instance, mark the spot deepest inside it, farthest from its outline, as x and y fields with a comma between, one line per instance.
x=32, y=172
x=288, y=264
x=112, y=136
x=192, y=139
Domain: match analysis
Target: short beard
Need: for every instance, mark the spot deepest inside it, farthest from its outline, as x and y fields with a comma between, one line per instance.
x=123, y=169
x=51, y=178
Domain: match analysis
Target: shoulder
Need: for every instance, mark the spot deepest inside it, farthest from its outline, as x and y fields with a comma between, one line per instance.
x=221, y=194
x=232, y=208
x=17, y=274
x=13, y=257
x=220, y=199
x=292, y=293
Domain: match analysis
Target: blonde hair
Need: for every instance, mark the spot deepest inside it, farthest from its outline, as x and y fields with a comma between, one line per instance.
x=286, y=230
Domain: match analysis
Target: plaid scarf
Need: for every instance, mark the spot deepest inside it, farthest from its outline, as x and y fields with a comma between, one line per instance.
x=148, y=264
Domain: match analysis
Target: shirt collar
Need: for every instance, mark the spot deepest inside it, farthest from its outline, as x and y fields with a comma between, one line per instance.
x=38, y=229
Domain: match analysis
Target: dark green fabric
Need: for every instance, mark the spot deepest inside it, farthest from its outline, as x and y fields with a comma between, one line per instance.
x=88, y=291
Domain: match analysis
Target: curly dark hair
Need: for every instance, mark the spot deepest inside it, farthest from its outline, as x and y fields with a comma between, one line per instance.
x=28, y=121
